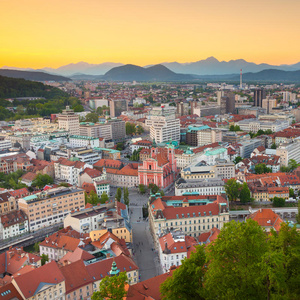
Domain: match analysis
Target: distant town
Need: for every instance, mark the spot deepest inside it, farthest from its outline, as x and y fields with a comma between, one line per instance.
x=117, y=190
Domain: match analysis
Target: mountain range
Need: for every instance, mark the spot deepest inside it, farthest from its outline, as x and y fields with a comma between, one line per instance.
x=209, y=66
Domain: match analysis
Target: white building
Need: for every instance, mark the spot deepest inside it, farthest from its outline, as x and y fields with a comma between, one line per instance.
x=163, y=124
x=145, y=144
x=84, y=141
x=5, y=144
x=69, y=121
x=13, y=224
x=288, y=152
x=211, y=157
x=207, y=186
x=251, y=125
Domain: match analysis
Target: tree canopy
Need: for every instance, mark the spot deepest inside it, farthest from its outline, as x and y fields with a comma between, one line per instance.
x=232, y=189
x=41, y=180
x=262, y=168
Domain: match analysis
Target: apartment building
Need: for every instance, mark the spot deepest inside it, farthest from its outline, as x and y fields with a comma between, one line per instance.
x=255, y=125
x=202, y=135
x=5, y=144
x=84, y=141
x=52, y=206
x=96, y=130
x=288, y=152
x=117, y=106
x=69, y=121
x=118, y=129
x=207, y=186
x=13, y=224
x=8, y=203
x=191, y=214
x=144, y=144
x=163, y=124
x=12, y=163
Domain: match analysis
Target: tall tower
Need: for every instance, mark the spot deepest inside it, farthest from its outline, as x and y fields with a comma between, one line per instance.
x=241, y=79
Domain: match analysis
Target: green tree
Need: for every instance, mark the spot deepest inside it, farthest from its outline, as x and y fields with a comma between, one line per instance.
x=142, y=189
x=292, y=165
x=235, y=262
x=262, y=168
x=232, y=189
x=273, y=146
x=118, y=194
x=237, y=159
x=237, y=128
x=231, y=127
x=245, y=194
x=153, y=187
x=100, y=110
x=36, y=247
x=120, y=146
x=92, y=117
x=112, y=288
x=130, y=128
x=278, y=202
x=78, y=108
x=41, y=180
x=139, y=129
x=126, y=196
x=291, y=193
x=92, y=198
x=104, y=198
x=65, y=184
x=44, y=259
x=187, y=281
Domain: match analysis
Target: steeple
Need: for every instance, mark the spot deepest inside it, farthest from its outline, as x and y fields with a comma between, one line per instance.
x=154, y=143
x=114, y=270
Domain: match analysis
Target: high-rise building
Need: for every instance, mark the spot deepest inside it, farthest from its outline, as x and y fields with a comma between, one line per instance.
x=117, y=106
x=163, y=124
x=268, y=104
x=96, y=130
x=118, y=130
x=259, y=95
x=69, y=121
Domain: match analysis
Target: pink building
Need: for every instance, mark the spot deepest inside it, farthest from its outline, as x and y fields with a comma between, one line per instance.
x=160, y=169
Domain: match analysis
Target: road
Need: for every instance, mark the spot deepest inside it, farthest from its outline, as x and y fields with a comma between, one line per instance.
x=145, y=255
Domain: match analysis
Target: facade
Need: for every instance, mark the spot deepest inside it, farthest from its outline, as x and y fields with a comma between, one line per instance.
x=5, y=144
x=163, y=124
x=247, y=147
x=202, y=135
x=13, y=224
x=268, y=104
x=160, y=169
x=252, y=125
x=51, y=207
x=288, y=152
x=96, y=130
x=259, y=95
x=117, y=129
x=144, y=144
x=69, y=121
x=12, y=163
x=117, y=106
x=191, y=214
x=211, y=186
x=83, y=141
x=8, y=203
x=102, y=186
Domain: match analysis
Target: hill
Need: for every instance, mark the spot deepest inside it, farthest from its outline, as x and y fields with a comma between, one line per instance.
x=32, y=75
x=18, y=87
x=153, y=73
x=271, y=75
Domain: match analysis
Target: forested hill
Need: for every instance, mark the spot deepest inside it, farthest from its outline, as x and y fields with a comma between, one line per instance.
x=17, y=87
x=32, y=75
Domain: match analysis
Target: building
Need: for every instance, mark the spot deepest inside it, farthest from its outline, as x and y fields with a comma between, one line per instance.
x=247, y=147
x=164, y=126
x=96, y=130
x=160, y=169
x=253, y=125
x=8, y=203
x=268, y=104
x=52, y=206
x=83, y=141
x=202, y=135
x=5, y=144
x=89, y=175
x=182, y=108
x=14, y=162
x=95, y=103
x=288, y=152
x=69, y=121
x=117, y=106
x=46, y=282
x=191, y=214
x=13, y=224
x=259, y=95
x=118, y=129
x=144, y=144
x=208, y=237
x=173, y=248
x=266, y=218
x=78, y=281
x=207, y=186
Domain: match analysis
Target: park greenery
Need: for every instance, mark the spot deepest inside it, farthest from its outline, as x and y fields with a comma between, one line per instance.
x=234, y=128
x=244, y=262
x=278, y=202
x=12, y=180
x=260, y=132
x=261, y=169
x=292, y=165
x=142, y=188
x=41, y=180
x=136, y=155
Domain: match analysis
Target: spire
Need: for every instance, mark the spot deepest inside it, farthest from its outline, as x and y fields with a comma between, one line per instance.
x=114, y=270
x=154, y=143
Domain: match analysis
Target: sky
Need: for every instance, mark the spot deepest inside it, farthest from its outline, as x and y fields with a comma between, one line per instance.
x=40, y=33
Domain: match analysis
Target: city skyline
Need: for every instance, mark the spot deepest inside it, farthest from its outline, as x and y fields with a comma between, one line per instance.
x=51, y=34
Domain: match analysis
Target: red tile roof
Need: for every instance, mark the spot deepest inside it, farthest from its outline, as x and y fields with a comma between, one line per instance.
x=20, y=193
x=266, y=217
x=9, y=292
x=93, y=173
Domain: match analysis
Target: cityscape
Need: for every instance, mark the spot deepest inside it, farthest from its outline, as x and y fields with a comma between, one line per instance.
x=136, y=166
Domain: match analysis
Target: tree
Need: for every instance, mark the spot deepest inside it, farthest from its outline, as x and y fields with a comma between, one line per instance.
x=78, y=108
x=92, y=198
x=232, y=189
x=245, y=194
x=162, y=193
x=273, y=146
x=104, y=198
x=153, y=187
x=92, y=117
x=187, y=281
x=278, y=202
x=139, y=129
x=298, y=215
x=231, y=127
x=101, y=109
x=292, y=165
x=36, y=247
x=291, y=193
x=142, y=189
x=65, y=184
x=130, y=128
x=262, y=168
x=112, y=288
x=120, y=146
x=44, y=258
x=126, y=196
x=235, y=262
x=237, y=160
x=41, y=180
x=118, y=194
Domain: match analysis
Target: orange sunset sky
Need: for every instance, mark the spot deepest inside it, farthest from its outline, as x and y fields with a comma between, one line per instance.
x=40, y=33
